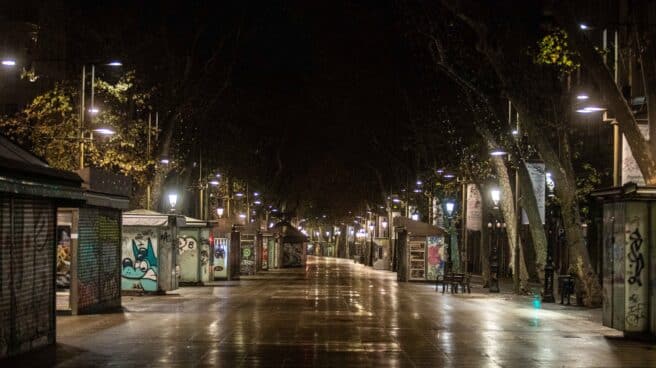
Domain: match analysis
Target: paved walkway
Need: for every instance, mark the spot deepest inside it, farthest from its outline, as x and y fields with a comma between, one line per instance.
x=336, y=314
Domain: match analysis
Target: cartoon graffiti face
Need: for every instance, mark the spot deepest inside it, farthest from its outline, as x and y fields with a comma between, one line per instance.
x=140, y=273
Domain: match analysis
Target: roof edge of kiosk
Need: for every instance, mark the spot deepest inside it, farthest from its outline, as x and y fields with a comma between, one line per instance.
x=143, y=217
x=288, y=232
x=22, y=173
x=627, y=191
x=417, y=227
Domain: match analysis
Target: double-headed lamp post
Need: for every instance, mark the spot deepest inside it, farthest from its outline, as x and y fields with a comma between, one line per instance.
x=494, y=251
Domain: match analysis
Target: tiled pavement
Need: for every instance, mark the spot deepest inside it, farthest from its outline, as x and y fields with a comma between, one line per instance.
x=335, y=313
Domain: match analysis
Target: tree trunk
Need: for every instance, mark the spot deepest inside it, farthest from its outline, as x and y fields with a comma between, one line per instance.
x=520, y=276
x=566, y=192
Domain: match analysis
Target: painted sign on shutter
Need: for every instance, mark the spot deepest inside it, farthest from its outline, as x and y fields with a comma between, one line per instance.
x=474, y=208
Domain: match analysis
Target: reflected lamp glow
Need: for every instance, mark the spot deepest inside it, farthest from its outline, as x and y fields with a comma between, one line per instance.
x=173, y=200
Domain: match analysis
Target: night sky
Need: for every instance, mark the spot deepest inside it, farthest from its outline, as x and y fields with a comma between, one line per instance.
x=305, y=100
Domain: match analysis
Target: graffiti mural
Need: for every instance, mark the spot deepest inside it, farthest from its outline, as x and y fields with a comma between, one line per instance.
x=139, y=272
x=636, y=259
x=186, y=243
x=265, y=256
x=247, y=264
x=188, y=252
x=435, y=258
x=63, y=256
x=220, y=257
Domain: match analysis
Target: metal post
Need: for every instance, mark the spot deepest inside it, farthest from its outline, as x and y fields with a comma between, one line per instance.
x=200, y=186
x=148, y=188
x=449, y=259
x=616, y=128
x=547, y=295
x=463, y=212
x=82, y=113
x=494, y=257
x=93, y=89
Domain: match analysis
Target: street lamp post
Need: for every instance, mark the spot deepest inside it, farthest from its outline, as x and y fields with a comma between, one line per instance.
x=371, y=244
x=93, y=110
x=449, y=207
x=494, y=250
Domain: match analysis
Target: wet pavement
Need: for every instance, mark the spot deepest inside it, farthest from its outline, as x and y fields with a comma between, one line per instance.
x=335, y=313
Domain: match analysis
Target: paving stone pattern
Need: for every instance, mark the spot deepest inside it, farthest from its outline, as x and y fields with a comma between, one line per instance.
x=335, y=313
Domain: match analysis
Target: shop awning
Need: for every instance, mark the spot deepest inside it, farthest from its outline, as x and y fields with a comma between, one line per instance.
x=417, y=227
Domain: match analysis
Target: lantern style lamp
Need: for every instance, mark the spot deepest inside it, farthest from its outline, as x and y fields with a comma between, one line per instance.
x=219, y=212
x=173, y=200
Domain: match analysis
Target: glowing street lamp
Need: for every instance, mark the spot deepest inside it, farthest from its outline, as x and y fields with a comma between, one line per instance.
x=496, y=197
x=219, y=212
x=8, y=62
x=173, y=200
x=450, y=206
x=498, y=152
x=105, y=130
x=214, y=182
